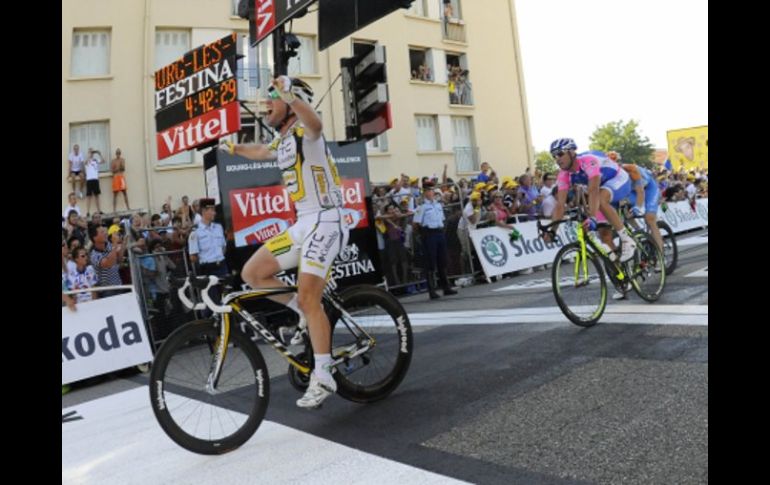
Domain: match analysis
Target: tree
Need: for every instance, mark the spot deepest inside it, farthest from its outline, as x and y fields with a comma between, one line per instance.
x=624, y=139
x=544, y=163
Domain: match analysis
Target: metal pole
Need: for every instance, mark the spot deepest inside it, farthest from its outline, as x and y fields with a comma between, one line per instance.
x=280, y=59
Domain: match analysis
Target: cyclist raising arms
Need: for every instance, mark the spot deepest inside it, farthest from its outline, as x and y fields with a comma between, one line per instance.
x=607, y=184
x=315, y=240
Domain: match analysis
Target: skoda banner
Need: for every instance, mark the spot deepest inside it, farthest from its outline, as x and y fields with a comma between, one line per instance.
x=499, y=255
x=254, y=206
x=683, y=215
x=102, y=336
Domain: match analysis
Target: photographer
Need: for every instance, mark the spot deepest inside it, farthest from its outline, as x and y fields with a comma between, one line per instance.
x=106, y=256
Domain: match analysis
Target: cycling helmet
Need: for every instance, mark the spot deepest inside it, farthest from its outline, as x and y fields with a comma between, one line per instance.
x=302, y=90
x=563, y=144
x=614, y=156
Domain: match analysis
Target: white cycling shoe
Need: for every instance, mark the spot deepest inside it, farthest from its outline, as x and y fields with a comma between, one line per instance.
x=317, y=392
x=627, y=249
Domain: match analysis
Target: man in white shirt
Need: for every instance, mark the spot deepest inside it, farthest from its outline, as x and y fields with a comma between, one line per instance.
x=548, y=180
x=92, y=179
x=76, y=170
x=549, y=202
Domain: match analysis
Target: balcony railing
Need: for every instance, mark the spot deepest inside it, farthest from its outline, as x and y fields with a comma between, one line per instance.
x=467, y=159
x=454, y=29
x=460, y=91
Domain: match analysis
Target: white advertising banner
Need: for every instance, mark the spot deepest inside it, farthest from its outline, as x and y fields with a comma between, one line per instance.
x=499, y=255
x=102, y=336
x=681, y=216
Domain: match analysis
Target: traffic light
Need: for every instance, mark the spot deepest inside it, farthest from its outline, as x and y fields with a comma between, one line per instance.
x=365, y=93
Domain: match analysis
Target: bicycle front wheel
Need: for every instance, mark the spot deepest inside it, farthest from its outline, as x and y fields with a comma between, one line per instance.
x=579, y=285
x=377, y=372
x=647, y=269
x=200, y=418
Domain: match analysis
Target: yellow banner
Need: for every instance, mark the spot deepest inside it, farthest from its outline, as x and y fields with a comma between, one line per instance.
x=688, y=148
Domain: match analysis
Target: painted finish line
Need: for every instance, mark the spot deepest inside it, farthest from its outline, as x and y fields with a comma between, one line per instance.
x=614, y=314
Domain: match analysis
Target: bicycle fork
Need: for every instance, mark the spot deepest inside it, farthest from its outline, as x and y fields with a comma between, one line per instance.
x=218, y=355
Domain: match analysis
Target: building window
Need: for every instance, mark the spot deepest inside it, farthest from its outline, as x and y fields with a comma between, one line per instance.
x=248, y=71
x=90, y=53
x=234, y=10
x=419, y=8
x=96, y=135
x=451, y=9
x=170, y=45
x=378, y=144
x=421, y=64
x=427, y=133
x=464, y=144
x=458, y=79
x=304, y=61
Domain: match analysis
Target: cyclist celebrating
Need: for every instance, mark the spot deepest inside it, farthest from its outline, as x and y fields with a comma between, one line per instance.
x=318, y=236
x=607, y=184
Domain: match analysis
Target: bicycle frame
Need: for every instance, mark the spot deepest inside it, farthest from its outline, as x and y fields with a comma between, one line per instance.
x=233, y=302
x=586, y=238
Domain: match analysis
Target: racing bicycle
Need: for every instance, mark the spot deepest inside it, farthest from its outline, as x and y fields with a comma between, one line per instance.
x=209, y=384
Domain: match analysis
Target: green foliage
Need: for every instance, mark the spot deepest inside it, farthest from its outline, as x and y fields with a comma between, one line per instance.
x=624, y=139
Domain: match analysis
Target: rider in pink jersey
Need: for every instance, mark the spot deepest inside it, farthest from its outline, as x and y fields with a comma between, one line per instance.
x=607, y=185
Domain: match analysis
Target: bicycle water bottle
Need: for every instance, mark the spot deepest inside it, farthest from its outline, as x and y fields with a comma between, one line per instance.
x=664, y=207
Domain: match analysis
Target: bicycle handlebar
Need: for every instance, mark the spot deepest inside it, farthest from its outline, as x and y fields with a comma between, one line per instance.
x=203, y=283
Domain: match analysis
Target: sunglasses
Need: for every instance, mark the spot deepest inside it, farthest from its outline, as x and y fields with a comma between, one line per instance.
x=558, y=154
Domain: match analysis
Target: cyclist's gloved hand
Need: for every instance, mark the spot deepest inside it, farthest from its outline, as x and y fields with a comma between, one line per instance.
x=637, y=211
x=282, y=85
x=590, y=224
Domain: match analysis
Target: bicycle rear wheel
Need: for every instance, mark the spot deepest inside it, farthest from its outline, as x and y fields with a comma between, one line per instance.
x=670, y=249
x=198, y=420
x=376, y=373
x=580, y=289
x=647, y=269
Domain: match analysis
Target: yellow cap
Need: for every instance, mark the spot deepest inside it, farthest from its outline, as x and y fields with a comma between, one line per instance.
x=393, y=181
x=479, y=186
x=475, y=196
x=113, y=229
x=491, y=187
x=507, y=179
x=413, y=180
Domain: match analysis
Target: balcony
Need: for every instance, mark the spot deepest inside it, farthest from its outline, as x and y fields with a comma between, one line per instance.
x=467, y=159
x=454, y=29
x=460, y=91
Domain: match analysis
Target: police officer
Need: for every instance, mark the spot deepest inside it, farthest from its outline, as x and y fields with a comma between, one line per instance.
x=429, y=221
x=207, y=245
